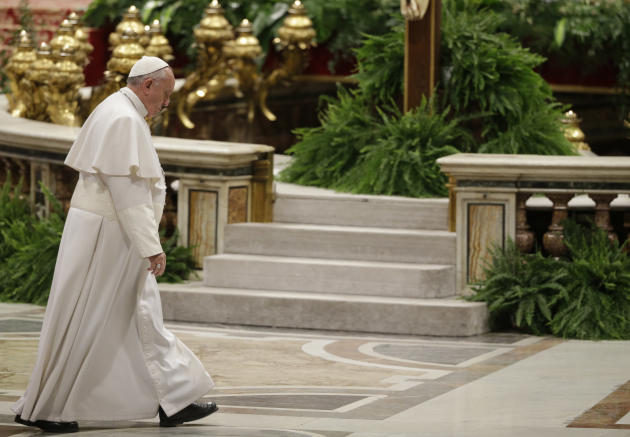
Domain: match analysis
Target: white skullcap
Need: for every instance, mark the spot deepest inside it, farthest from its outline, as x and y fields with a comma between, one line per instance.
x=146, y=65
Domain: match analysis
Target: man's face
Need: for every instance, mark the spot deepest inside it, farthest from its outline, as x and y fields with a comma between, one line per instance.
x=158, y=93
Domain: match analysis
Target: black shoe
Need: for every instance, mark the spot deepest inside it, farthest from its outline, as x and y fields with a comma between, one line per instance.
x=195, y=411
x=47, y=426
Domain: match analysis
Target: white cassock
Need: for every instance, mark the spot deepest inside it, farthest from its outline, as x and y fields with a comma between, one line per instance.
x=104, y=353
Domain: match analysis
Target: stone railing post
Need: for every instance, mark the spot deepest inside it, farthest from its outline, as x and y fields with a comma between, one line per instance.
x=553, y=238
x=524, y=235
x=602, y=212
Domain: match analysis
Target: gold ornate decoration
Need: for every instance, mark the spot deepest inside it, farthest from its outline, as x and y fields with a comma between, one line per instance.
x=573, y=133
x=227, y=64
x=241, y=56
x=36, y=84
x=66, y=80
x=214, y=28
x=65, y=37
x=126, y=53
x=159, y=45
x=297, y=30
x=209, y=79
x=130, y=21
x=295, y=37
x=414, y=9
x=16, y=69
x=81, y=35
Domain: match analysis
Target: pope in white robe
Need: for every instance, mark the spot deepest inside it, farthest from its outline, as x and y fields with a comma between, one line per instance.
x=104, y=353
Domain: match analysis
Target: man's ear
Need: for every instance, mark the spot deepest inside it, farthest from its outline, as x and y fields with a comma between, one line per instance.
x=148, y=84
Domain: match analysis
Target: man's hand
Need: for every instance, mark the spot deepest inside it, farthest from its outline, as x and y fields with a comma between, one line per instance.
x=158, y=264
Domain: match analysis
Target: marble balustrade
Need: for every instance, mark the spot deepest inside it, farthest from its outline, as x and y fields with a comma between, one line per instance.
x=215, y=183
x=491, y=195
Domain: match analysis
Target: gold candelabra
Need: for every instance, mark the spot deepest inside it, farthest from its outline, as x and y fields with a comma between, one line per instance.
x=45, y=85
x=226, y=63
x=81, y=35
x=16, y=70
x=66, y=80
x=37, y=85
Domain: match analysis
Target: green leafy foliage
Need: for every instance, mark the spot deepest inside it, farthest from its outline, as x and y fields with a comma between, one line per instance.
x=13, y=207
x=326, y=153
x=32, y=244
x=585, y=32
x=180, y=263
x=491, y=75
x=401, y=159
x=537, y=131
x=522, y=290
x=381, y=61
x=585, y=296
x=598, y=303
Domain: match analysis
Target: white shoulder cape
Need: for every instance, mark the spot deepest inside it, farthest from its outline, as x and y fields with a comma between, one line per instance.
x=115, y=140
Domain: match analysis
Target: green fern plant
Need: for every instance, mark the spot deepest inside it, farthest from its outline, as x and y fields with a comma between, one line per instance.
x=381, y=61
x=180, y=263
x=598, y=302
x=27, y=274
x=13, y=207
x=401, y=160
x=326, y=153
x=490, y=77
x=536, y=131
x=521, y=290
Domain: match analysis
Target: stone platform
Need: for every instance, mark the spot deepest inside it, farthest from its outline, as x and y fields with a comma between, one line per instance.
x=334, y=261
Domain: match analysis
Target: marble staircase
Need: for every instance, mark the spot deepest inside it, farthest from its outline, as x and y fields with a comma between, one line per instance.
x=335, y=261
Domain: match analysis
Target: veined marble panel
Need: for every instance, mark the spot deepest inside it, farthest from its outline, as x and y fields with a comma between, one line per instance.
x=202, y=223
x=237, y=205
x=486, y=228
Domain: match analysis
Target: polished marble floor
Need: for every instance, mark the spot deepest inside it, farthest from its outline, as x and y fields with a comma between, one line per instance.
x=287, y=383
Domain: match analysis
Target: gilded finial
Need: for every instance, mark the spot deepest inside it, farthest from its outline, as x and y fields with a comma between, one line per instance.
x=297, y=29
x=158, y=44
x=572, y=131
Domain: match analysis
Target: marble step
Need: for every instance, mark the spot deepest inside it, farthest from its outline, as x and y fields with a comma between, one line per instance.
x=341, y=242
x=194, y=302
x=329, y=276
x=297, y=204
